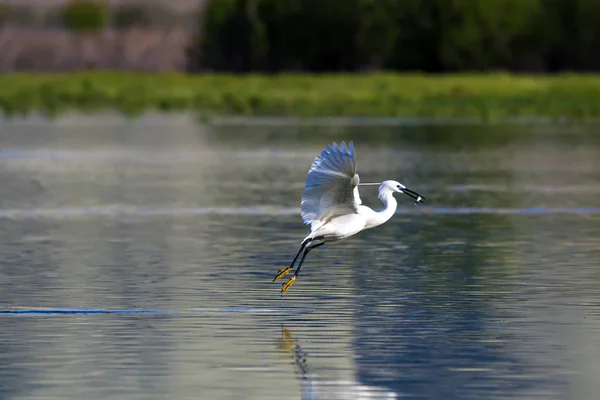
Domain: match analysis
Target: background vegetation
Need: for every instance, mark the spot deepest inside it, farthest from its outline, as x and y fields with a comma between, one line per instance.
x=352, y=35
x=366, y=57
x=85, y=15
x=425, y=35
x=485, y=97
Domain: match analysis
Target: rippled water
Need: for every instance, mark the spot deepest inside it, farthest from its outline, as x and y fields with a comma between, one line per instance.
x=136, y=261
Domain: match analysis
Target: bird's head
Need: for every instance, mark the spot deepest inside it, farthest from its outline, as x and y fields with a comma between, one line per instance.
x=397, y=187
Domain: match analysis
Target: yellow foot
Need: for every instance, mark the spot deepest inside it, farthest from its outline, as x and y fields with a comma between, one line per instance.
x=281, y=273
x=287, y=284
x=287, y=341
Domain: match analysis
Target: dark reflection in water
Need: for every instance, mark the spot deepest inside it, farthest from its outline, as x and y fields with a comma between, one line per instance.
x=490, y=290
x=314, y=386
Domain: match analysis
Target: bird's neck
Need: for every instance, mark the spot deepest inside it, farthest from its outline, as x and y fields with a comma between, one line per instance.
x=389, y=206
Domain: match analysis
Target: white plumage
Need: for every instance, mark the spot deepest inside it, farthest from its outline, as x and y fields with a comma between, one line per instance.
x=331, y=186
x=331, y=204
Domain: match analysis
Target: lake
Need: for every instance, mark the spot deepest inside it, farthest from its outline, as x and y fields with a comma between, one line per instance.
x=136, y=260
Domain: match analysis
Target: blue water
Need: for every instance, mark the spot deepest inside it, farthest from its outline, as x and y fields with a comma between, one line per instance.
x=136, y=260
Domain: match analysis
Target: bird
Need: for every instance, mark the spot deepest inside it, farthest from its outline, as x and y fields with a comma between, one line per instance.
x=331, y=204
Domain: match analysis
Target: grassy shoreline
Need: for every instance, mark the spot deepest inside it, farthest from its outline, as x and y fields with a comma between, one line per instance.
x=489, y=97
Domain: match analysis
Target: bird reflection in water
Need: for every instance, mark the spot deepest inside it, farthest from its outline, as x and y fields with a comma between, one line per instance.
x=314, y=388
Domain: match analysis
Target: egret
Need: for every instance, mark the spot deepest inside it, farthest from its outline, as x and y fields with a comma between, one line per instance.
x=331, y=204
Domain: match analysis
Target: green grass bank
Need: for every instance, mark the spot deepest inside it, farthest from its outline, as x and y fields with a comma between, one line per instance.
x=490, y=97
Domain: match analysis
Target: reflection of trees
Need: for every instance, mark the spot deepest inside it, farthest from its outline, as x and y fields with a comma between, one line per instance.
x=430, y=283
x=426, y=306
x=308, y=137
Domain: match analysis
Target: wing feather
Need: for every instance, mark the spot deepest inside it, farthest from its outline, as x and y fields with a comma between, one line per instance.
x=331, y=185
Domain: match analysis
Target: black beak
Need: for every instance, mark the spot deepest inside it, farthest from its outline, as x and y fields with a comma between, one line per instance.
x=414, y=195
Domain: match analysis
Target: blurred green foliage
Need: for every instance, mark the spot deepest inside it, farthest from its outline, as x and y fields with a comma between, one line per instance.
x=427, y=35
x=85, y=15
x=95, y=15
x=490, y=97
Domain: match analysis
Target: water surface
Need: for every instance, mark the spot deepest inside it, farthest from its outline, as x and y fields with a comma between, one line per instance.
x=136, y=260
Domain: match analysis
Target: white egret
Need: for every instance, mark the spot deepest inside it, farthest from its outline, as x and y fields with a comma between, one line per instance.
x=332, y=207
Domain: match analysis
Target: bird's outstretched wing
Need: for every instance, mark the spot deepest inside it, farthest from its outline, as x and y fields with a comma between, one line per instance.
x=331, y=186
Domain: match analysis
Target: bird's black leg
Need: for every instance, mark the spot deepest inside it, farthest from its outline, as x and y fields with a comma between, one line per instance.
x=284, y=271
x=308, y=248
x=290, y=282
x=302, y=247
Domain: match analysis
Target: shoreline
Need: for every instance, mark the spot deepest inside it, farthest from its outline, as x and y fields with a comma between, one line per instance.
x=476, y=98
x=153, y=117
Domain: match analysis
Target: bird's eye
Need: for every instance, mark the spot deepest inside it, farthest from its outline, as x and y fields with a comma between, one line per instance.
x=398, y=186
